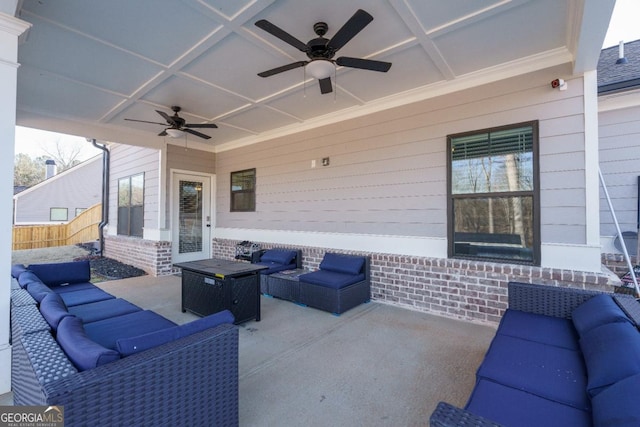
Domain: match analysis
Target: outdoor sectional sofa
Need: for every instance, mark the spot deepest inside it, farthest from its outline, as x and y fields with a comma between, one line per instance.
x=109, y=362
x=560, y=357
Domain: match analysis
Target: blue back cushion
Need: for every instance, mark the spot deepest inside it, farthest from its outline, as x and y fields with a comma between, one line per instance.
x=27, y=277
x=17, y=270
x=340, y=263
x=618, y=404
x=62, y=272
x=80, y=349
x=611, y=353
x=598, y=310
x=278, y=256
x=53, y=309
x=550, y=330
x=38, y=290
x=128, y=346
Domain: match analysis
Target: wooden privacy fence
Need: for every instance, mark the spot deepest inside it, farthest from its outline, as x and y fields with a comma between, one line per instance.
x=83, y=228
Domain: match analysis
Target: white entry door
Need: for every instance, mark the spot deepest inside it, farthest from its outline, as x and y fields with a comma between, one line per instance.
x=191, y=219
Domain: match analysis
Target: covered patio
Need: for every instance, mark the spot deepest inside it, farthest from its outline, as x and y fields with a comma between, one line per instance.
x=362, y=168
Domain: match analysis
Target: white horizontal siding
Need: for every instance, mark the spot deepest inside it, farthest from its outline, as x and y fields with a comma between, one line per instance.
x=387, y=173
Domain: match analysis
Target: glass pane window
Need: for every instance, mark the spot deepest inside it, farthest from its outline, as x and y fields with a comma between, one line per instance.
x=131, y=205
x=190, y=217
x=243, y=191
x=58, y=214
x=493, y=196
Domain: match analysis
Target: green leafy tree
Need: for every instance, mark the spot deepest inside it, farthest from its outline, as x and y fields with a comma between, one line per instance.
x=27, y=170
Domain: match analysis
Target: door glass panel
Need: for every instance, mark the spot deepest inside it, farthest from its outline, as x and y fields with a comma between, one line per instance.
x=190, y=217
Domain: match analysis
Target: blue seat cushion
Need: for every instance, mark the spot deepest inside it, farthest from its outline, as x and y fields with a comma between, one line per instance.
x=551, y=372
x=84, y=296
x=37, y=290
x=512, y=407
x=27, y=277
x=331, y=279
x=83, y=352
x=53, y=309
x=340, y=263
x=131, y=345
x=62, y=272
x=101, y=310
x=106, y=332
x=278, y=256
x=17, y=270
x=274, y=267
x=536, y=327
x=611, y=353
x=618, y=404
x=73, y=287
x=598, y=310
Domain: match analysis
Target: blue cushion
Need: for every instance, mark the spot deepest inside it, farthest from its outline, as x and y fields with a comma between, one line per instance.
x=618, y=404
x=348, y=264
x=84, y=296
x=551, y=372
x=38, y=290
x=106, y=332
x=536, y=327
x=611, y=353
x=62, y=272
x=274, y=267
x=101, y=310
x=330, y=279
x=596, y=311
x=53, y=309
x=278, y=256
x=17, y=270
x=27, y=277
x=131, y=345
x=512, y=407
x=80, y=349
x=73, y=287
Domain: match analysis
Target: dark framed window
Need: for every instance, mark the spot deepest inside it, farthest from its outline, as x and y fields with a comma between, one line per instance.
x=131, y=205
x=58, y=214
x=493, y=194
x=243, y=191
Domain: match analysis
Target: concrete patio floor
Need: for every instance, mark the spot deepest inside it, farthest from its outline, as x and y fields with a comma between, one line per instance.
x=375, y=365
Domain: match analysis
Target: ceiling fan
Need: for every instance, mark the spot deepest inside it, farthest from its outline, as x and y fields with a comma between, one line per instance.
x=321, y=51
x=177, y=125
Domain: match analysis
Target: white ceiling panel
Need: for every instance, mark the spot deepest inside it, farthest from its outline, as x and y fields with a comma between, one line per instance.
x=193, y=96
x=92, y=63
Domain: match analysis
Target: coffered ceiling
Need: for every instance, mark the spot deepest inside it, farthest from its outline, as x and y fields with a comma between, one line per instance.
x=88, y=65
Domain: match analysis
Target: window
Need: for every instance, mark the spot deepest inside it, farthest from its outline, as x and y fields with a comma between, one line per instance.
x=58, y=214
x=243, y=191
x=131, y=205
x=493, y=194
x=80, y=210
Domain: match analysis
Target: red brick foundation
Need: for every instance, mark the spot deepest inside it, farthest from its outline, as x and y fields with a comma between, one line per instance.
x=151, y=256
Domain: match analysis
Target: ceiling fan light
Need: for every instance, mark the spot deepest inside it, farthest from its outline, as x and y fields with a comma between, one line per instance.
x=320, y=68
x=175, y=133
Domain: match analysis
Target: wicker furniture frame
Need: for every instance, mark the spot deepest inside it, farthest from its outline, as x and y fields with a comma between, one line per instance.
x=189, y=381
x=539, y=299
x=337, y=301
x=264, y=283
x=284, y=286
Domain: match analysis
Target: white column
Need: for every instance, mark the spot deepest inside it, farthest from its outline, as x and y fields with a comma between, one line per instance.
x=10, y=30
x=591, y=152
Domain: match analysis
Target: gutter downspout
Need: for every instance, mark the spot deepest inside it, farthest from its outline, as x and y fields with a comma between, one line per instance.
x=105, y=191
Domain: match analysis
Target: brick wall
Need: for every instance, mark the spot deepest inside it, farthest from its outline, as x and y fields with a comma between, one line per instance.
x=151, y=256
x=617, y=264
x=469, y=290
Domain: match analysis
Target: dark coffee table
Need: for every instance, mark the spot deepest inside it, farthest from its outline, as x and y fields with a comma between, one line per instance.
x=285, y=284
x=213, y=285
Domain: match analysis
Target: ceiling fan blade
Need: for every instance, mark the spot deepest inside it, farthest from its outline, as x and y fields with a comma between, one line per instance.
x=353, y=26
x=287, y=67
x=365, y=64
x=163, y=133
x=144, y=121
x=200, y=125
x=281, y=34
x=196, y=133
x=325, y=85
x=167, y=117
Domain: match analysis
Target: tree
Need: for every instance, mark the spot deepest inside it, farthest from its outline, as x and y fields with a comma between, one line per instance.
x=65, y=155
x=28, y=171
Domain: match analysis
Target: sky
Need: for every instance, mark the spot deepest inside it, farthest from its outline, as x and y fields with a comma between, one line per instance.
x=623, y=26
